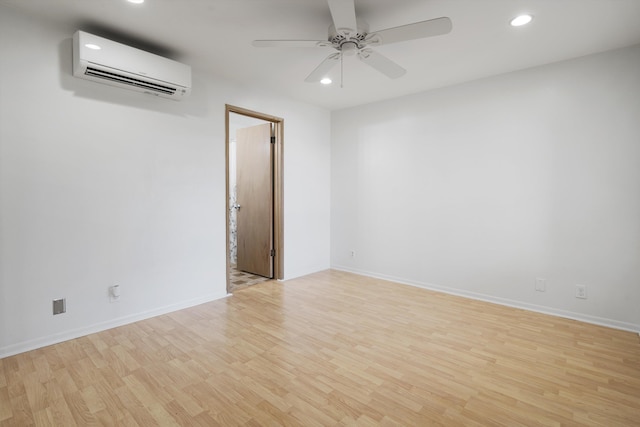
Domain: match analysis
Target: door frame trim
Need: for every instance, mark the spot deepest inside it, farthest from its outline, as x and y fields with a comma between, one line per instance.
x=278, y=199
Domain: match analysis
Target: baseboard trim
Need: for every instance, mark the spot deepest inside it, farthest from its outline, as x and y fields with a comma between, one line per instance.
x=34, y=344
x=611, y=323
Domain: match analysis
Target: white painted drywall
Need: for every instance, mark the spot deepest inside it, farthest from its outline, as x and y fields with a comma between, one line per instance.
x=100, y=185
x=478, y=189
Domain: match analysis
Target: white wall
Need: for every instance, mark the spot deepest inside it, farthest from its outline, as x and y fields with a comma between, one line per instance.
x=480, y=188
x=100, y=185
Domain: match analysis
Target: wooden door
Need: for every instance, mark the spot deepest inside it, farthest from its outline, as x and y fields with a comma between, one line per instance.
x=254, y=195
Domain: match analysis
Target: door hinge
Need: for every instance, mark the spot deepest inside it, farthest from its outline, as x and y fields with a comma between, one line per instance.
x=273, y=139
x=273, y=252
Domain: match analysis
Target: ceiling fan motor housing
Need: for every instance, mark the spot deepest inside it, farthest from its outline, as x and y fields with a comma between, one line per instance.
x=348, y=40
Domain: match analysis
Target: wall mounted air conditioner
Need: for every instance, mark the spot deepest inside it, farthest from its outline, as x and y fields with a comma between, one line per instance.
x=105, y=61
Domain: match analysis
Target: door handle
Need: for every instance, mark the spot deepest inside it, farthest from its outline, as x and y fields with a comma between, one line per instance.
x=236, y=206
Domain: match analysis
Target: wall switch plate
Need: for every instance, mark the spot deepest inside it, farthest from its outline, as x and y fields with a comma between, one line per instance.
x=581, y=291
x=59, y=306
x=541, y=284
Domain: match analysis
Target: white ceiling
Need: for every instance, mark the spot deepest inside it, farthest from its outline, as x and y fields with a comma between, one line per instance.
x=216, y=35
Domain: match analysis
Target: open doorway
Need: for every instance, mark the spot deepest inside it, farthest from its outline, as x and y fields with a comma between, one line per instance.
x=254, y=221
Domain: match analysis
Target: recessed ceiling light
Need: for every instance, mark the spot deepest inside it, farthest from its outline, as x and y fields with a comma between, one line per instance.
x=92, y=46
x=521, y=20
x=136, y=1
x=326, y=81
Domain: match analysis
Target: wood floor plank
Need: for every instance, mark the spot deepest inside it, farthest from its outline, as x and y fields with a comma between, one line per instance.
x=332, y=348
x=22, y=415
x=6, y=411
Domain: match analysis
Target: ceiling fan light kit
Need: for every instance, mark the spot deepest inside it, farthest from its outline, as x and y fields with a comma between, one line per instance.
x=350, y=36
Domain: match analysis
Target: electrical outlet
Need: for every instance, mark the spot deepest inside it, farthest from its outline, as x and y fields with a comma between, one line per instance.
x=541, y=284
x=353, y=253
x=581, y=291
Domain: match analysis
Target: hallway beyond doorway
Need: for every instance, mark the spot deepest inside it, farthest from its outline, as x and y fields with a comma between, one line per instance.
x=242, y=279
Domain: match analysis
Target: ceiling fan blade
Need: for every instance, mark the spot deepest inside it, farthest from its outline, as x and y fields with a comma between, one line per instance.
x=381, y=63
x=417, y=30
x=343, y=13
x=290, y=43
x=321, y=70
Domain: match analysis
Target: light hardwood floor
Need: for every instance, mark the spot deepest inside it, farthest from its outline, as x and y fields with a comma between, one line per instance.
x=332, y=349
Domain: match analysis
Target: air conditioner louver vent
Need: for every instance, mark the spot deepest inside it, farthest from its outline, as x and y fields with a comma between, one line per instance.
x=94, y=72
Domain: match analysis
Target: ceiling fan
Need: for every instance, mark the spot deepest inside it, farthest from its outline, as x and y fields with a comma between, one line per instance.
x=349, y=35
